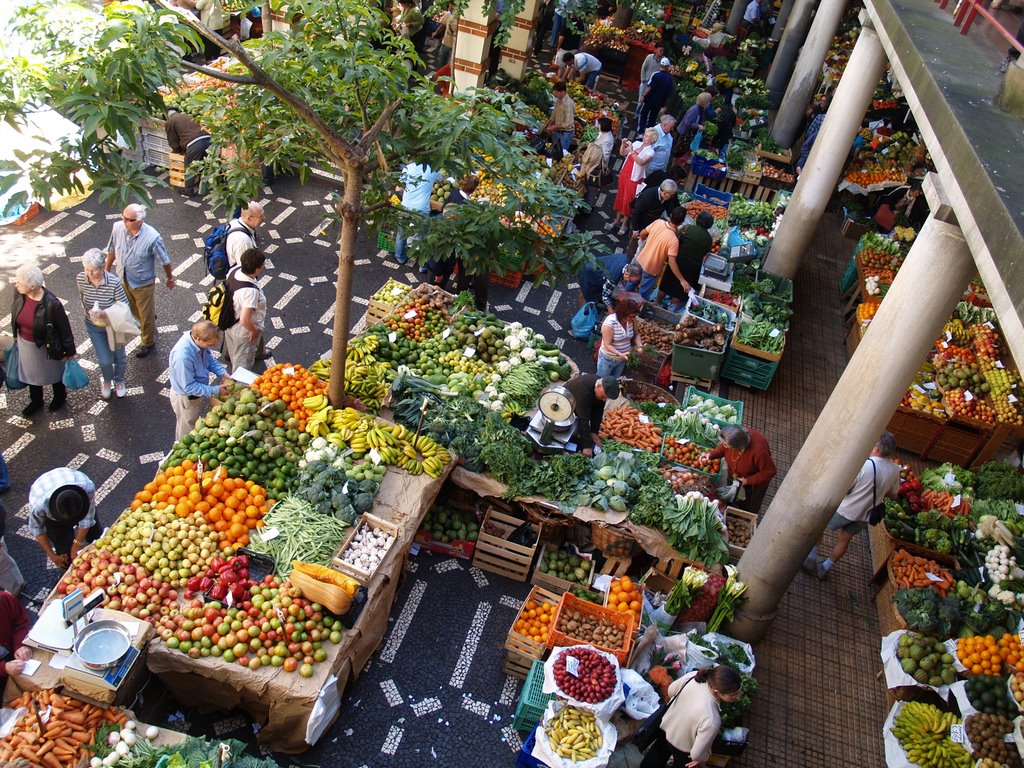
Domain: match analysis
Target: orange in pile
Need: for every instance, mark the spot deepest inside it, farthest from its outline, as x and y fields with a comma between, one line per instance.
x=980, y=655
x=624, y=596
x=293, y=387
x=535, y=620
x=1010, y=650
x=231, y=505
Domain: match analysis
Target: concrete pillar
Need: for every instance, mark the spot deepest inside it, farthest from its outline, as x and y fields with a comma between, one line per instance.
x=732, y=25
x=1011, y=95
x=517, y=48
x=828, y=155
x=807, y=72
x=473, y=46
x=898, y=339
x=793, y=37
x=781, y=19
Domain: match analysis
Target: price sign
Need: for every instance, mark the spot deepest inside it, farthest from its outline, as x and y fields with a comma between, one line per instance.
x=572, y=666
x=281, y=616
x=393, y=336
x=774, y=332
x=956, y=501
x=447, y=333
x=410, y=314
x=949, y=336
x=229, y=599
x=968, y=396
x=988, y=324
x=957, y=734
x=1011, y=398
x=269, y=533
x=289, y=371
x=932, y=577
x=468, y=352
x=951, y=646
x=396, y=291
x=644, y=418
x=919, y=388
x=930, y=385
x=344, y=488
x=199, y=468
x=117, y=578
x=478, y=331
x=944, y=345
x=885, y=151
x=999, y=364
x=949, y=478
x=661, y=405
x=374, y=456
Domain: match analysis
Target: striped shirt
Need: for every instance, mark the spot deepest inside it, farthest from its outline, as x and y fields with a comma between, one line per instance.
x=622, y=336
x=104, y=295
x=45, y=486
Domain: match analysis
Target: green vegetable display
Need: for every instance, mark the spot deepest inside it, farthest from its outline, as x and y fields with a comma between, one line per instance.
x=695, y=531
x=690, y=424
x=713, y=313
x=948, y=478
x=930, y=529
x=998, y=480
x=750, y=213
x=305, y=534
x=733, y=711
x=758, y=307
x=761, y=335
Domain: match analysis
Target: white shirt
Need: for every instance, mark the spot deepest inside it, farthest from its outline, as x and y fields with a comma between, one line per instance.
x=753, y=12
x=240, y=239
x=250, y=297
x=857, y=502
x=587, y=63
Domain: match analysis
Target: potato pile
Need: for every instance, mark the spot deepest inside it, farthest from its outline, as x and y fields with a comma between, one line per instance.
x=591, y=630
x=739, y=531
x=987, y=734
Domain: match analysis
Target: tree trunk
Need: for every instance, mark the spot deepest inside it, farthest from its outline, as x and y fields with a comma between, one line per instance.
x=623, y=16
x=351, y=213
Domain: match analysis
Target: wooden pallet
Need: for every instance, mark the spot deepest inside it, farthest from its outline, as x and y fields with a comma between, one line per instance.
x=705, y=384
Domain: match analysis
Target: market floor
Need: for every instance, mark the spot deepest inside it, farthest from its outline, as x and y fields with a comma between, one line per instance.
x=435, y=691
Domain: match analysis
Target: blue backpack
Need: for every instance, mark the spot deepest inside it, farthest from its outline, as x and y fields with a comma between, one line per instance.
x=215, y=248
x=584, y=320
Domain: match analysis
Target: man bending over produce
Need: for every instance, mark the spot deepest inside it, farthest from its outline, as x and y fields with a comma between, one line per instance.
x=878, y=478
x=590, y=393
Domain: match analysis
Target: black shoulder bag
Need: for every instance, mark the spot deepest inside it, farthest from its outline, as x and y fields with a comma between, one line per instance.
x=877, y=510
x=648, y=731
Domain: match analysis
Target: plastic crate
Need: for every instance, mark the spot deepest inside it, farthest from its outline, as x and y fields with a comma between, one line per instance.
x=748, y=371
x=730, y=323
x=525, y=758
x=696, y=363
x=510, y=279
x=532, y=699
x=737, y=404
x=713, y=196
x=849, y=279
x=739, y=346
x=624, y=619
x=717, y=478
x=708, y=169
x=386, y=241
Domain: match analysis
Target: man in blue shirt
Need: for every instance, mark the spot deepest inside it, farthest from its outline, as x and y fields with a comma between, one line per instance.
x=663, y=146
x=417, y=182
x=654, y=96
x=191, y=364
x=136, y=248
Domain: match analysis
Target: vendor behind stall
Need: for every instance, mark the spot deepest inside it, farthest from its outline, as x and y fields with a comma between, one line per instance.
x=590, y=393
x=61, y=515
x=14, y=627
x=750, y=462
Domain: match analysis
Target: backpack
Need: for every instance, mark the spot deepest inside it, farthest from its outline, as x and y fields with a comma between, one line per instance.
x=220, y=301
x=215, y=248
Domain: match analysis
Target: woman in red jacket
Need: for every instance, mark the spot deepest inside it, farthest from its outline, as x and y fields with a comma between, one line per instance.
x=750, y=461
x=13, y=629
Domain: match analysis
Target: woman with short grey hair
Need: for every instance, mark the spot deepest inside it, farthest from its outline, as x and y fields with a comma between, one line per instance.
x=99, y=291
x=43, y=335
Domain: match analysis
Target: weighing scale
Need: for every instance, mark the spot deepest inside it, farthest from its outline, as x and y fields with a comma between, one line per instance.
x=554, y=423
x=716, y=272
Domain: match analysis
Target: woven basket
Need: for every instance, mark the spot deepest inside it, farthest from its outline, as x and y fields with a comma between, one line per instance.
x=632, y=389
x=645, y=365
x=553, y=525
x=612, y=542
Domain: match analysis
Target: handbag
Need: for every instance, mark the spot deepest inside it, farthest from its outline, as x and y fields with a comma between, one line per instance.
x=877, y=510
x=74, y=377
x=11, y=368
x=647, y=733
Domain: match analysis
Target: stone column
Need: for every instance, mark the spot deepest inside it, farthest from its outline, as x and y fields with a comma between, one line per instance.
x=473, y=46
x=793, y=37
x=828, y=155
x=782, y=19
x=516, y=50
x=807, y=72
x=898, y=339
x=736, y=16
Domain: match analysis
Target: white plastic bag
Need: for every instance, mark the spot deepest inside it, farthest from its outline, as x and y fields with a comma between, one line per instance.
x=603, y=709
x=326, y=708
x=643, y=700
x=723, y=640
x=895, y=677
x=542, y=750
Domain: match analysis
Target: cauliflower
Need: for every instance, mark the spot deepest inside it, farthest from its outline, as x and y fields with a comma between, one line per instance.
x=514, y=343
x=528, y=353
x=515, y=360
x=539, y=336
x=496, y=406
x=515, y=326
x=318, y=444
x=504, y=367
x=490, y=390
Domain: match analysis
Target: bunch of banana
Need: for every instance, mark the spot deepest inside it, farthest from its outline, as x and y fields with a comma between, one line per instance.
x=361, y=347
x=573, y=734
x=422, y=454
x=321, y=369
x=956, y=330
x=319, y=422
x=370, y=383
x=316, y=403
x=923, y=732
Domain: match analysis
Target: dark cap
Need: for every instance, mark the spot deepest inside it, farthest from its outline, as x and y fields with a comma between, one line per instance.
x=69, y=505
x=610, y=385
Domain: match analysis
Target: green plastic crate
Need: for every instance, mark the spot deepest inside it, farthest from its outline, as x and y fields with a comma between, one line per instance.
x=749, y=371
x=532, y=699
x=386, y=241
x=737, y=404
x=849, y=278
x=696, y=363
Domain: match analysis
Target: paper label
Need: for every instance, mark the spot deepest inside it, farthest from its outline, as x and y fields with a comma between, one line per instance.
x=949, y=336
x=396, y=291
x=228, y=599
x=951, y=647
x=774, y=332
x=930, y=385
x=31, y=666
x=644, y=418
x=550, y=163
x=374, y=456
x=919, y=388
x=572, y=666
x=410, y=314
x=478, y=331
x=269, y=533
x=662, y=405
x=469, y=352
x=932, y=577
x=117, y=578
x=956, y=501
x=344, y=488
x=949, y=478
x=999, y=364
x=281, y=616
x=447, y=333
x=988, y=324
x=968, y=396
x=393, y=336
x=289, y=371
x=957, y=734
x=199, y=468
x=1011, y=398
x=944, y=345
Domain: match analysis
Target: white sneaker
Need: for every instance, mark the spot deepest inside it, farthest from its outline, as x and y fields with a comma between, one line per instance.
x=119, y=388
x=104, y=389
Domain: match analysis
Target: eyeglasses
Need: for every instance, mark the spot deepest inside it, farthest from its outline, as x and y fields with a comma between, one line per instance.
x=125, y=218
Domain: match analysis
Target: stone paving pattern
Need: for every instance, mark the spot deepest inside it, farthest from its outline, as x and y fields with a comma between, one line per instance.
x=435, y=691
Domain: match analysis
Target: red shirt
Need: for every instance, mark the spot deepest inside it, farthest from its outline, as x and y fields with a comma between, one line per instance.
x=13, y=627
x=26, y=319
x=755, y=464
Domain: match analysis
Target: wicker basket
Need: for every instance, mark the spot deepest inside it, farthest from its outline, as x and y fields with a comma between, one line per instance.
x=553, y=524
x=613, y=542
x=645, y=365
x=632, y=389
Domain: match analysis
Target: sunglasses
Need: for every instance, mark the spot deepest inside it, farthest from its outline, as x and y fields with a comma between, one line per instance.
x=125, y=218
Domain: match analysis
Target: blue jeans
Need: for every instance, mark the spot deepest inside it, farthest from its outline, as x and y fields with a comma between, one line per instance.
x=112, y=361
x=591, y=80
x=400, y=246
x=5, y=476
x=564, y=138
x=556, y=29
x=608, y=367
x=647, y=285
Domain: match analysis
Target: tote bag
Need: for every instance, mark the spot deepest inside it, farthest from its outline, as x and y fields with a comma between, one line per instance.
x=74, y=376
x=11, y=368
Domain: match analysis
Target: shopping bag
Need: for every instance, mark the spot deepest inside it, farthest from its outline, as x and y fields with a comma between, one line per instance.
x=698, y=137
x=11, y=368
x=74, y=376
x=584, y=320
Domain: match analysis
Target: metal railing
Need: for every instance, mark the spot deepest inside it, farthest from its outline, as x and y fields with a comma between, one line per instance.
x=964, y=13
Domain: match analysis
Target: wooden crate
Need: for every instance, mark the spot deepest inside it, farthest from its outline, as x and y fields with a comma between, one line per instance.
x=554, y=583
x=889, y=619
x=496, y=554
x=625, y=619
x=914, y=431
x=520, y=650
x=957, y=443
x=176, y=179
x=373, y=522
x=746, y=520
x=377, y=311
x=739, y=346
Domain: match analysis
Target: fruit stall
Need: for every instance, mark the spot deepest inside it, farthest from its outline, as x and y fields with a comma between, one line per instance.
x=949, y=604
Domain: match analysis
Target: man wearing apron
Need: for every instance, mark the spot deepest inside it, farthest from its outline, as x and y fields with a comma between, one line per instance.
x=61, y=515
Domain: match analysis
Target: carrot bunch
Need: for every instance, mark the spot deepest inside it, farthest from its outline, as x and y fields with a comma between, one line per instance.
x=61, y=739
x=628, y=425
x=911, y=571
x=942, y=501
